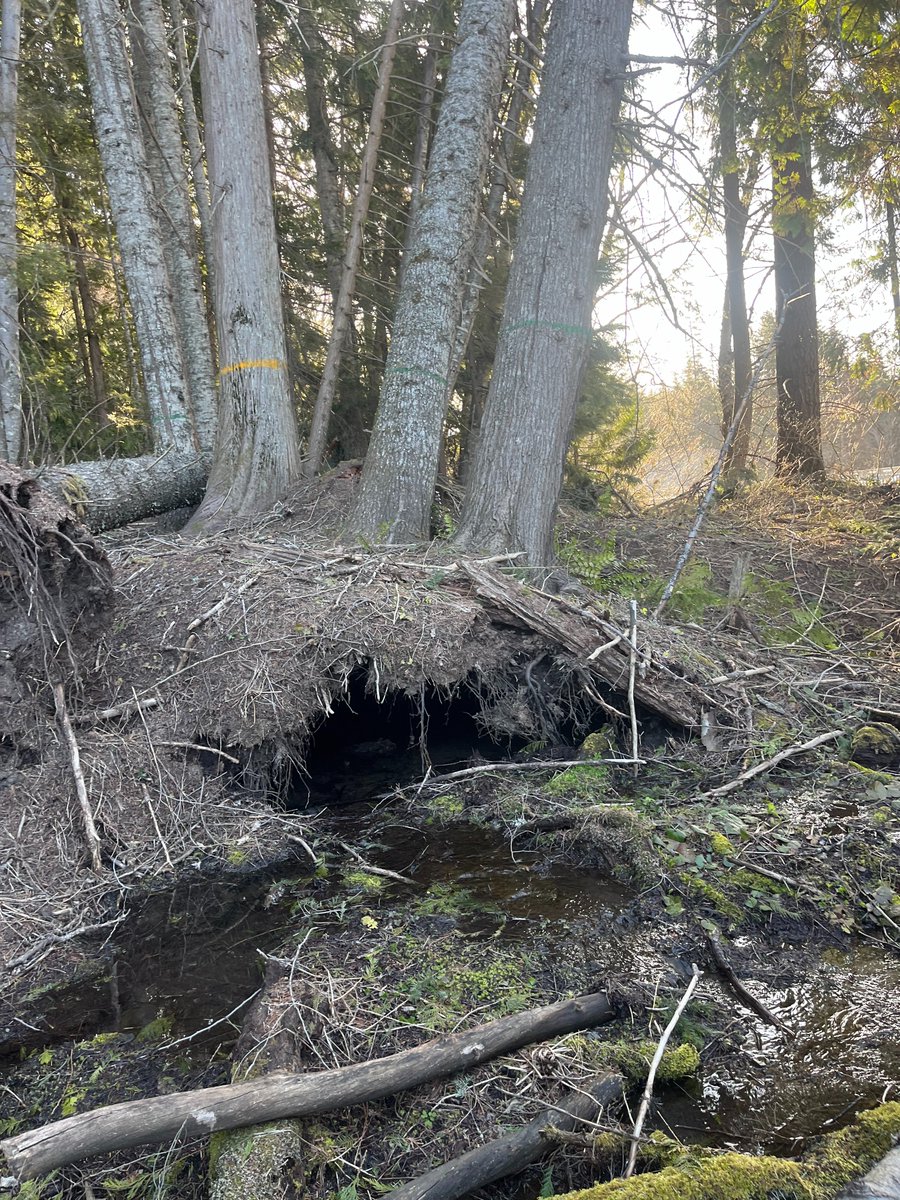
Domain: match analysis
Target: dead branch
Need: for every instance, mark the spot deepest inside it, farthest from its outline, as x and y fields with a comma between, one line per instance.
x=763, y=767
x=273, y=1097
x=90, y=829
x=435, y=781
x=125, y=709
x=725, y=969
x=507, y=1155
x=654, y=1066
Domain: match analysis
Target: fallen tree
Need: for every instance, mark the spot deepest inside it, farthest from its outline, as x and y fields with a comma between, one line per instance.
x=507, y=1155
x=195, y=1113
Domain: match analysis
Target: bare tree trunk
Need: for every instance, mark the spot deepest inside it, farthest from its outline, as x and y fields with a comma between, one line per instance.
x=328, y=181
x=519, y=102
x=401, y=466
x=318, y=432
x=197, y=163
x=132, y=202
x=10, y=372
x=890, y=213
x=799, y=448
x=165, y=156
x=256, y=455
x=95, y=374
x=546, y=331
x=735, y=227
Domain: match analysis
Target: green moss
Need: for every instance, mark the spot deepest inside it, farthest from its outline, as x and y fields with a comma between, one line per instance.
x=447, y=807
x=362, y=881
x=588, y=783
x=157, y=1030
x=705, y=891
x=748, y=880
x=876, y=738
x=632, y=1059
x=599, y=744
x=249, y=1164
x=237, y=857
x=720, y=844
x=837, y=1160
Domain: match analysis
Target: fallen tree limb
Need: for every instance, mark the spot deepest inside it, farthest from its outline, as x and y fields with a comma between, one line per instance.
x=763, y=767
x=162, y=1118
x=507, y=1155
x=725, y=969
x=92, y=837
x=656, y=688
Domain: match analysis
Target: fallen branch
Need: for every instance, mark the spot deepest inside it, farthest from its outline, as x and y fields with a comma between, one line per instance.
x=725, y=969
x=90, y=829
x=117, y=710
x=490, y=768
x=749, y=673
x=60, y=939
x=373, y=870
x=763, y=767
x=507, y=1155
x=272, y=1097
x=651, y=1074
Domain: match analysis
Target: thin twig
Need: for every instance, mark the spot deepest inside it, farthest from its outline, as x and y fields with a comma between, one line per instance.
x=489, y=768
x=763, y=767
x=125, y=709
x=654, y=1066
x=90, y=829
x=159, y=836
x=207, y=749
x=632, y=668
x=383, y=871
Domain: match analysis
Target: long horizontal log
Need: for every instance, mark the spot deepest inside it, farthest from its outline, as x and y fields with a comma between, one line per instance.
x=110, y=492
x=507, y=1155
x=273, y=1097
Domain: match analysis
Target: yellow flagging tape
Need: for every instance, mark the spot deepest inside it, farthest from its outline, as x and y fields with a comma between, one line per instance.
x=273, y=364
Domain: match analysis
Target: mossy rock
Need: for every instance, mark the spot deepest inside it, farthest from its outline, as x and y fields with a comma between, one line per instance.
x=876, y=745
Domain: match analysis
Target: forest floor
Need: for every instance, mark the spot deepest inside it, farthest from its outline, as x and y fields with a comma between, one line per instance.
x=266, y=724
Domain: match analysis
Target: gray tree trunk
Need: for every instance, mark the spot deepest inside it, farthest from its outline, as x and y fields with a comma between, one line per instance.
x=256, y=455
x=318, y=431
x=328, y=181
x=133, y=207
x=402, y=463
x=197, y=159
x=10, y=372
x=165, y=156
x=546, y=331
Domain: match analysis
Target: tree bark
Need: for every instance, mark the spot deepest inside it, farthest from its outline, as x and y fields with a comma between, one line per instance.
x=197, y=164
x=131, y=199
x=165, y=156
x=401, y=466
x=256, y=455
x=325, y=157
x=94, y=372
x=318, y=431
x=890, y=213
x=11, y=425
x=507, y=1155
x=546, y=330
x=161, y=1118
x=737, y=401
x=799, y=445
x=114, y=491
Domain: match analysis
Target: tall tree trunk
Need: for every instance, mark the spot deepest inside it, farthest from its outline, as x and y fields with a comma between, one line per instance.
x=256, y=455
x=401, y=466
x=197, y=159
x=521, y=95
x=11, y=426
x=95, y=374
x=799, y=446
x=328, y=180
x=133, y=208
x=545, y=335
x=318, y=432
x=737, y=400
x=165, y=156
x=890, y=213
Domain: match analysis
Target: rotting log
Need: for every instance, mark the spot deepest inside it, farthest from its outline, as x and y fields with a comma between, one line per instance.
x=656, y=687
x=513, y=1152
x=195, y=1113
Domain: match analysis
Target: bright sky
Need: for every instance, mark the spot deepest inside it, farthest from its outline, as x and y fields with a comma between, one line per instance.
x=691, y=260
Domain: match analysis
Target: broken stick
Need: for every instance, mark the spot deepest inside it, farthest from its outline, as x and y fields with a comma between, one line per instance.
x=507, y=1155
x=725, y=969
x=90, y=829
x=761, y=768
x=272, y=1097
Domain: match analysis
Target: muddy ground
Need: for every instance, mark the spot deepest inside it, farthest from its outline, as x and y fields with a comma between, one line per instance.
x=255, y=717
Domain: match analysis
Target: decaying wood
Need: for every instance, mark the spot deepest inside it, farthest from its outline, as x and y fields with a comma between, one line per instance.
x=725, y=969
x=655, y=688
x=507, y=1155
x=162, y=1118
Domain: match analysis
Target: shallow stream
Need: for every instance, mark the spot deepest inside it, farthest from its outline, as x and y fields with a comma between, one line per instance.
x=190, y=959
